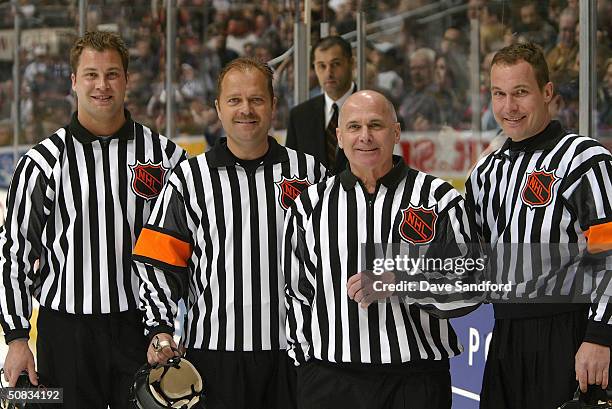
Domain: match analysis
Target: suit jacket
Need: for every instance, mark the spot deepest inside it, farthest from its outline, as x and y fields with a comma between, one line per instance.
x=306, y=132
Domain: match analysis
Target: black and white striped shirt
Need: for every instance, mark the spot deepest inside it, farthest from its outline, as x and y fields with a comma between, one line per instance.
x=77, y=203
x=554, y=187
x=328, y=234
x=215, y=236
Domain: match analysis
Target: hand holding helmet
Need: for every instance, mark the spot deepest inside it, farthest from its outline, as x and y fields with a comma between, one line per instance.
x=19, y=359
x=173, y=384
x=161, y=348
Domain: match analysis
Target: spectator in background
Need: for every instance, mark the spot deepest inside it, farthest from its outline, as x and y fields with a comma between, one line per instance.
x=603, y=51
x=449, y=97
x=454, y=47
x=346, y=18
x=192, y=86
x=562, y=58
x=6, y=132
x=286, y=33
x=145, y=60
x=239, y=34
x=205, y=120
x=37, y=66
x=534, y=28
x=312, y=124
x=387, y=80
x=6, y=98
x=55, y=116
x=158, y=100
x=604, y=20
x=262, y=52
x=564, y=106
x=491, y=28
x=554, y=12
x=419, y=109
x=475, y=8
x=58, y=75
x=453, y=40
x=487, y=121
x=216, y=54
x=249, y=50
x=573, y=4
x=604, y=100
x=138, y=93
x=191, y=52
x=267, y=33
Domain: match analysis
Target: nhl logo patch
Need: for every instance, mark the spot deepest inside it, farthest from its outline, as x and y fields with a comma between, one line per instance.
x=148, y=179
x=289, y=189
x=537, y=191
x=418, y=225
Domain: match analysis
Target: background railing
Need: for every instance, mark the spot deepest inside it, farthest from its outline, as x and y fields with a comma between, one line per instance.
x=36, y=98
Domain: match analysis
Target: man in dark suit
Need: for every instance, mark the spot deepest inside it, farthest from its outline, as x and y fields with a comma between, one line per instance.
x=312, y=124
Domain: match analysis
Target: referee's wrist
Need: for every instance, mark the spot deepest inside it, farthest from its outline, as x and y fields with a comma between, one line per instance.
x=160, y=329
x=16, y=334
x=17, y=340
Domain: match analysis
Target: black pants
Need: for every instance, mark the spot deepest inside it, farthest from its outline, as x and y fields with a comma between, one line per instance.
x=531, y=364
x=245, y=380
x=324, y=385
x=93, y=358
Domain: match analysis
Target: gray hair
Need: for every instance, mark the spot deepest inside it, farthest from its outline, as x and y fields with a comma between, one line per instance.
x=427, y=53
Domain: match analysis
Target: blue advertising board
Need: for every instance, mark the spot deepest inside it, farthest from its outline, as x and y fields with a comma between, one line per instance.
x=7, y=163
x=474, y=331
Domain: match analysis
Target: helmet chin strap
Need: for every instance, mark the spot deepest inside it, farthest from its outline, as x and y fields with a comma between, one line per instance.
x=172, y=388
x=594, y=398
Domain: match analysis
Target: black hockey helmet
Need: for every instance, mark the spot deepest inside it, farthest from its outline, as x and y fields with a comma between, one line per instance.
x=175, y=384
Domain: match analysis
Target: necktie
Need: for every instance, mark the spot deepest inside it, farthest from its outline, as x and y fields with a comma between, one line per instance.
x=331, y=139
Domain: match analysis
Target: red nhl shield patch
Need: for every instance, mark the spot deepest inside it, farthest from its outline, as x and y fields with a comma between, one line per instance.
x=148, y=179
x=418, y=225
x=537, y=191
x=289, y=189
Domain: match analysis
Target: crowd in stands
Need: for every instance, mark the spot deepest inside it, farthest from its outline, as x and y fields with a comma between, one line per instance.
x=419, y=62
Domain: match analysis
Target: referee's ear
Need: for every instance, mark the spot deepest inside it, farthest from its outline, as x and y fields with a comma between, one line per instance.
x=548, y=92
x=217, y=107
x=397, y=132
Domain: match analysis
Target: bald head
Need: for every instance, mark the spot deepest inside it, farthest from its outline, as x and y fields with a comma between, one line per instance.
x=367, y=97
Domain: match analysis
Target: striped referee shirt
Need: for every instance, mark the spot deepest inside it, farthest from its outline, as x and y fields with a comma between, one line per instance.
x=214, y=237
x=77, y=203
x=554, y=187
x=328, y=237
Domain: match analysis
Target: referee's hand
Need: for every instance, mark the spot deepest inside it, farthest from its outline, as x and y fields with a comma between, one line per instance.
x=361, y=289
x=592, y=365
x=161, y=348
x=19, y=359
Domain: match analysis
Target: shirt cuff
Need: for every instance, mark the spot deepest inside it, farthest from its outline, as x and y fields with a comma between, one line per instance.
x=599, y=333
x=23, y=333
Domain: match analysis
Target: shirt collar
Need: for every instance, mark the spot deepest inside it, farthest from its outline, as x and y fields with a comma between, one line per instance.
x=392, y=178
x=220, y=155
x=545, y=140
x=340, y=101
x=83, y=135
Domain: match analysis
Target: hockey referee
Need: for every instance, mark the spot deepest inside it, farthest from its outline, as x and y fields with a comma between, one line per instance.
x=215, y=237
x=76, y=203
x=543, y=186
x=355, y=349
